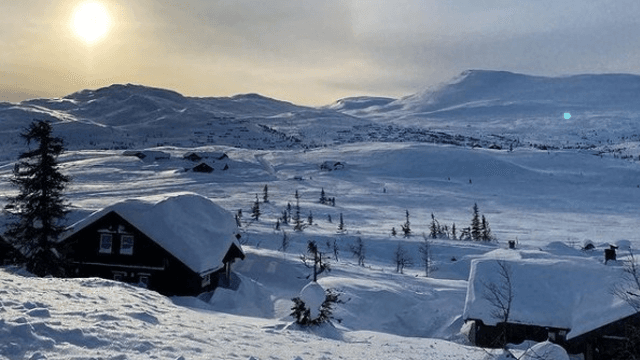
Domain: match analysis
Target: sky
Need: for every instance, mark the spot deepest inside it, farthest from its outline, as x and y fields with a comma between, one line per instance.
x=306, y=51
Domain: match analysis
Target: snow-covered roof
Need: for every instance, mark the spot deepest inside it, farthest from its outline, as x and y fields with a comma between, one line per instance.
x=191, y=227
x=574, y=294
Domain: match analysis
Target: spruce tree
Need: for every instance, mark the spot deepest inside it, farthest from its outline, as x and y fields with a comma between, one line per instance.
x=434, y=227
x=406, y=227
x=297, y=221
x=454, y=236
x=476, y=230
x=323, y=197
x=39, y=209
x=265, y=194
x=341, y=227
x=486, y=230
x=255, y=210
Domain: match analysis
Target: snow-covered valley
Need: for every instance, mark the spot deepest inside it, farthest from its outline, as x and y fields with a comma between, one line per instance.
x=549, y=201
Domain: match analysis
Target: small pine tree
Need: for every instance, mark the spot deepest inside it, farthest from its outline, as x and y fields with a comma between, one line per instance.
x=486, y=230
x=265, y=194
x=336, y=250
x=341, y=227
x=316, y=261
x=406, y=227
x=297, y=220
x=476, y=230
x=358, y=250
x=454, y=236
x=39, y=209
x=285, y=242
x=425, y=255
x=402, y=258
x=310, y=218
x=393, y=231
x=434, y=227
x=323, y=197
x=302, y=313
x=255, y=210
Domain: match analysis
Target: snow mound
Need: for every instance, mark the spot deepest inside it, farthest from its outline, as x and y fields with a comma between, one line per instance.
x=546, y=350
x=313, y=296
x=251, y=299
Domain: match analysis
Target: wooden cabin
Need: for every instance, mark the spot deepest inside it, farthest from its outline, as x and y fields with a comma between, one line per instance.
x=566, y=300
x=9, y=255
x=178, y=245
x=203, y=168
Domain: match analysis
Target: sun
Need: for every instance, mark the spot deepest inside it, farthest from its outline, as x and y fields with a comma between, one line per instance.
x=91, y=21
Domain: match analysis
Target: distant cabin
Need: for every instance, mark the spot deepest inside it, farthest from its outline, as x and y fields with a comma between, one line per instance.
x=192, y=157
x=203, y=168
x=197, y=156
x=148, y=155
x=568, y=302
x=9, y=255
x=179, y=245
x=331, y=165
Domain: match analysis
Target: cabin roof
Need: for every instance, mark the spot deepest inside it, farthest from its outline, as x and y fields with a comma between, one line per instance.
x=572, y=294
x=189, y=226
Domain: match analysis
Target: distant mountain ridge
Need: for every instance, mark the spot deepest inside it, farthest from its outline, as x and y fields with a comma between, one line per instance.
x=505, y=91
x=475, y=108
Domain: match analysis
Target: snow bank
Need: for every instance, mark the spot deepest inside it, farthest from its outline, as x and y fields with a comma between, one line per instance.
x=251, y=299
x=545, y=350
x=60, y=319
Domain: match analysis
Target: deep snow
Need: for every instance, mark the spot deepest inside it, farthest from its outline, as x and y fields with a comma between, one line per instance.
x=549, y=201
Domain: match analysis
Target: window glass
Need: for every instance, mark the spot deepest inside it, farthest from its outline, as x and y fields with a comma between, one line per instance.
x=105, y=243
x=206, y=280
x=126, y=245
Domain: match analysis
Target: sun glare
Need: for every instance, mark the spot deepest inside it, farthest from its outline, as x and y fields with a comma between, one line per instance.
x=91, y=22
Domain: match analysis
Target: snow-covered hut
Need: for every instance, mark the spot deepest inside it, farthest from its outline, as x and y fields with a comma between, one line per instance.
x=177, y=245
x=568, y=301
x=203, y=168
x=212, y=155
x=148, y=155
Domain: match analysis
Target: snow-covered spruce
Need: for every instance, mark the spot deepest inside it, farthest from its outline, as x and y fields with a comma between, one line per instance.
x=314, y=306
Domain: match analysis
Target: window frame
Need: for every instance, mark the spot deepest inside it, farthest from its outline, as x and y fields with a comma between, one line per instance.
x=128, y=250
x=101, y=248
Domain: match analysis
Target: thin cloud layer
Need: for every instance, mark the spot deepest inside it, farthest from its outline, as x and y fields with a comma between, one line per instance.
x=310, y=52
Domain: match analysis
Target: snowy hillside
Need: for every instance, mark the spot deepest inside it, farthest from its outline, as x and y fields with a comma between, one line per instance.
x=426, y=154
x=525, y=109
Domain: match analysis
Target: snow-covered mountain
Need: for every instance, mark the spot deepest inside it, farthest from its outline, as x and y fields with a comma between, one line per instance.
x=477, y=108
x=604, y=108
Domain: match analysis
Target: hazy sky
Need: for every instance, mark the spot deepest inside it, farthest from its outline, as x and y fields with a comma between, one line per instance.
x=308, y=51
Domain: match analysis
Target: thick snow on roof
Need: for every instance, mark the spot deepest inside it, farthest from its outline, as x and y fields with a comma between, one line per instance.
x=571, y=293
x=191, y=227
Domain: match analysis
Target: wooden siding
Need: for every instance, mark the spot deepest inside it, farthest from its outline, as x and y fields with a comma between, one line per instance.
x=166, y=274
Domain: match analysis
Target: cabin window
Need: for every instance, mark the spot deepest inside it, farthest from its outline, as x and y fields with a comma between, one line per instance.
x=119, y=275
x=206, y=280
x=143, y=280
x=106, y=241
x=126, y=245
